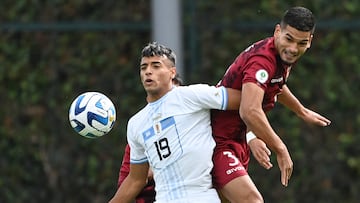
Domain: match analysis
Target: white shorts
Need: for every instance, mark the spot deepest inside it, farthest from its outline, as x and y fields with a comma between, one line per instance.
x=210, y=196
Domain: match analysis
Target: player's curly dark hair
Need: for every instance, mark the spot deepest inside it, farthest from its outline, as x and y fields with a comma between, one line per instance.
x=300, y=18
x=156, y=49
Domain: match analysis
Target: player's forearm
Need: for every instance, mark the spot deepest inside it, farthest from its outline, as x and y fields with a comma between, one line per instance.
x=256, y=121
x=287, y=99
x=127, y=191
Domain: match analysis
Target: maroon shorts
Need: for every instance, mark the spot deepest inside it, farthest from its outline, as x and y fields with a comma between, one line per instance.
x=230, y=161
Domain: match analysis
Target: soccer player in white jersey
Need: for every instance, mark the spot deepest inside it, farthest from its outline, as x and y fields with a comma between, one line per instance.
x=172, y=134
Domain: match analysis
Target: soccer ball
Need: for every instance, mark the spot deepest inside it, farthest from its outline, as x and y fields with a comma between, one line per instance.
x=92, y=114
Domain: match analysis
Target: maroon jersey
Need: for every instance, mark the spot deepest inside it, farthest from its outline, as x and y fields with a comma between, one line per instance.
x=147, y=195
x=125, y=166
x=260, y=64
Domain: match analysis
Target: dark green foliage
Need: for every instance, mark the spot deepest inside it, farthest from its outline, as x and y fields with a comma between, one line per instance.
x=95, y=46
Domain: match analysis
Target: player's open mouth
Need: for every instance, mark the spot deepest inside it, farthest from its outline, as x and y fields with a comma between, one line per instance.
x=148, y=81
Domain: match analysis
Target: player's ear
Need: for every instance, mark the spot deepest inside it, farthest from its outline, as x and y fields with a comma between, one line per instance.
x=277, y=30
x=310, y=40
x=173, y=72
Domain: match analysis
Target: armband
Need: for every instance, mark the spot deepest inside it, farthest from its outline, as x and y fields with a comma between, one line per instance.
x=249, y=136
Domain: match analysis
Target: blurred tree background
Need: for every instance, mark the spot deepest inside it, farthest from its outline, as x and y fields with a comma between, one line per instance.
x=51, y=51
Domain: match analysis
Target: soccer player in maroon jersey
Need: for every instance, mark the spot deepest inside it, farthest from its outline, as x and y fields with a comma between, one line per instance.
x=260, y=72
x=147, y=195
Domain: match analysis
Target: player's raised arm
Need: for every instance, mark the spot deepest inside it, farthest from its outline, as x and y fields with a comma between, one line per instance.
x=290, y=101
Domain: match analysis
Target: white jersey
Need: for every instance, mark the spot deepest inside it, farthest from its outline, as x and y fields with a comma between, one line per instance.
x=174, y=135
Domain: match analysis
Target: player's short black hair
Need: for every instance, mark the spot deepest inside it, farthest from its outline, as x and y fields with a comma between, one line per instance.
x=300, y=18
x=156, y=49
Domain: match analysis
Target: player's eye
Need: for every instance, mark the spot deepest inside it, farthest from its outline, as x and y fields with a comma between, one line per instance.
x=143, y=67
x=156, y=65
x=302, y=44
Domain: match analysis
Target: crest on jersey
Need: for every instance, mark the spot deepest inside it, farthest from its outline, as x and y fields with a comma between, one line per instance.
x=261, y=76
x=157, y=128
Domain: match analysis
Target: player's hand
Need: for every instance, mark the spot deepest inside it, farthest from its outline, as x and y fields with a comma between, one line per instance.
x=314, y=118
x=261, y=152
x=285, y=164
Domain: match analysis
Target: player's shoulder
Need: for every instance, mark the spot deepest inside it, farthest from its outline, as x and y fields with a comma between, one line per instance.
x=196, y=87
x=197, y=91
x=202, y=95
x=139, y=115
x=263, y=53
x=264, y=47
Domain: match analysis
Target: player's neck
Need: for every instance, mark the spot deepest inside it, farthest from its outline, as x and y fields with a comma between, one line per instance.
x=154, y=96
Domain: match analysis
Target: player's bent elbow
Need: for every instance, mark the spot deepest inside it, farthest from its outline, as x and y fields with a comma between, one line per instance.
x=247, y=114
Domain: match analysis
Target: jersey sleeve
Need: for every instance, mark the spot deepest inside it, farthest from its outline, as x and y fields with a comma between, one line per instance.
x=203, y=96
x=137, y=152
x=259, y=70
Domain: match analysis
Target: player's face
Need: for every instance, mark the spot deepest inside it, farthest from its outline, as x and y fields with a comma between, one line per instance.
x=291, y=43
x=156, y=75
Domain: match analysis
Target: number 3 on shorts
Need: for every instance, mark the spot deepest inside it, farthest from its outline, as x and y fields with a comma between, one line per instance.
x=231, y=156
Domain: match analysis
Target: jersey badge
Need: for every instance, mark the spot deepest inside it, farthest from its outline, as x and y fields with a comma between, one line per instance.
x=157, y=128
x=261, y=76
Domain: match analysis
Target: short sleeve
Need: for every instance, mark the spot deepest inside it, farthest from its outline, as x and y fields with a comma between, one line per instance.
x=259, y=70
